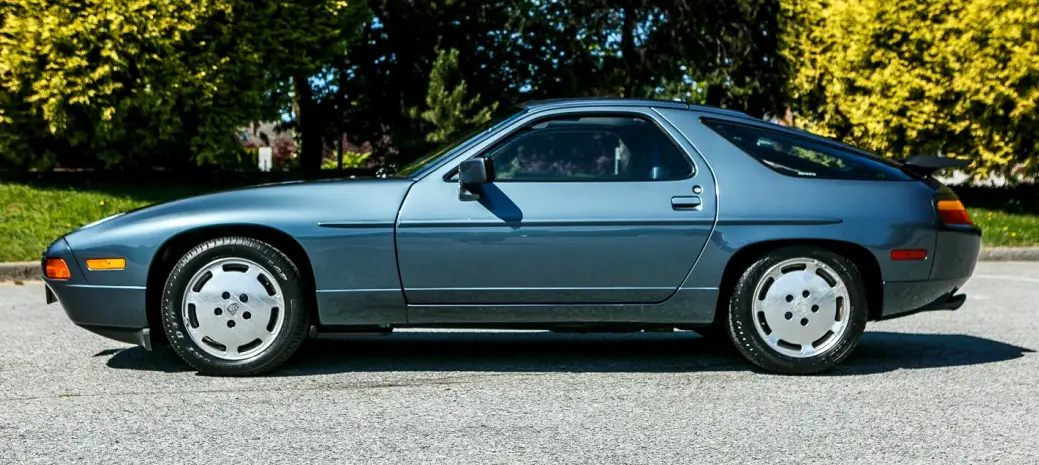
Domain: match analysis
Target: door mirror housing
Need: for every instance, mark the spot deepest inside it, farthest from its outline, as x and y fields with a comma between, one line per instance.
x=476, y=171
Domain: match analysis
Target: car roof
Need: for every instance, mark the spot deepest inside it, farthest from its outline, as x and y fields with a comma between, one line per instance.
x=547, y=104
x=539, y=105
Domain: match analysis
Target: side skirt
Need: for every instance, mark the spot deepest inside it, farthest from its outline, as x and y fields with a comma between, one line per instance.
x=687, y=306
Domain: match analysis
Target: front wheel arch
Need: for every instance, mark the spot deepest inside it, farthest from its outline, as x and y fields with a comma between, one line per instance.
x=167, y=255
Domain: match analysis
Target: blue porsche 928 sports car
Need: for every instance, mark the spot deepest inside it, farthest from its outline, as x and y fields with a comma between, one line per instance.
x=566, y=215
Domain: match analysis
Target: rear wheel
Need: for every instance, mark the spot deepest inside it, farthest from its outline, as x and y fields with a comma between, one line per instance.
x=234, y=306
x=798, y=310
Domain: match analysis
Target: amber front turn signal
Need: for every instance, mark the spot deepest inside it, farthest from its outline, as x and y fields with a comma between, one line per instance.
x=56, y=268
x=99, y=264
x=952, y=212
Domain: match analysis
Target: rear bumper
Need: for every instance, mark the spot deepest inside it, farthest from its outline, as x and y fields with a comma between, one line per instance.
x=947, y=301
x=951, y=301
x=908, y=298
x=956, y=252
x=953, y=261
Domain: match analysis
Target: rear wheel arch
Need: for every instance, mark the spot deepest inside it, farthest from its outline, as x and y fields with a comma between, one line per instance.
x=866, y=262
x=175, y=247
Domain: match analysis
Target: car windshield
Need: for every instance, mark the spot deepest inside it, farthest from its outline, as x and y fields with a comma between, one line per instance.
x=432, y=159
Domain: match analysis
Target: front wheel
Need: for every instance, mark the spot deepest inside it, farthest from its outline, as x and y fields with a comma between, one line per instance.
x=798, y=310
x=234, y=306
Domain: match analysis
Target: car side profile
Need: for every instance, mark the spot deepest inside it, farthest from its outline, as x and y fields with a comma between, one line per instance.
x=566, y=215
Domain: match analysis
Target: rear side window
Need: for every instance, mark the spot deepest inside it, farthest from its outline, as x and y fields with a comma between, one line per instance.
x=802, y=157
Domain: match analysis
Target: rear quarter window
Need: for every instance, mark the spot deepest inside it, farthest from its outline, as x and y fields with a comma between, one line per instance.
x=803, y=157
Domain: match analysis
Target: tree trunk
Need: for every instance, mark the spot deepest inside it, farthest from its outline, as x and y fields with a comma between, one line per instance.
x=628, y=54
x=308, y=124
x=715, y=95
x=341, y=106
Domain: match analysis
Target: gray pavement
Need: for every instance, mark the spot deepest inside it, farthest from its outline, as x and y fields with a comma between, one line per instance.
x=949, y=387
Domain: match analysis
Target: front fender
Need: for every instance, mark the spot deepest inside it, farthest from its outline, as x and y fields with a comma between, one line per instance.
x=302, y=211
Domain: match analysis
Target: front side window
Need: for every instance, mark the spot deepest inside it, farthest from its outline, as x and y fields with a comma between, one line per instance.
x=430, y=160
x=590, y=148
x=802, y=157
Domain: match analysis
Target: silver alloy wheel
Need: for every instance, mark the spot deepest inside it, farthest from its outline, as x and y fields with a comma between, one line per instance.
x=233, y=308
x=801, y=307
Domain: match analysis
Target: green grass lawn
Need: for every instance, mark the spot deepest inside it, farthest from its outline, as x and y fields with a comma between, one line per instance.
x=1003, y=229
x=31, y=217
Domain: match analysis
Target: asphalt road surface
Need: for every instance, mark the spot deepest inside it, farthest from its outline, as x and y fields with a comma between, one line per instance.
x=948, y=387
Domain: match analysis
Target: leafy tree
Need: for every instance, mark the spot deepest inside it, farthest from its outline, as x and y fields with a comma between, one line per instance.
x=959, y=78
x=511, y=51
x=387, y=73
x=78, y=75
x=154, y=82
x=711, y=51
x=449, y=109
x=167, y=82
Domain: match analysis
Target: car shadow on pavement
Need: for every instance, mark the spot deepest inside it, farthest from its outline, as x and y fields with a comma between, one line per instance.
x=878, y=352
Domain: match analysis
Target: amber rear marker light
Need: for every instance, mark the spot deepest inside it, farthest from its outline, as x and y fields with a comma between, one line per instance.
x=952, y=212
x=100, y=264
x=56, y=268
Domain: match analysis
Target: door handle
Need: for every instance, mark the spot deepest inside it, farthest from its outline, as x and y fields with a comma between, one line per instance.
x=685, y=202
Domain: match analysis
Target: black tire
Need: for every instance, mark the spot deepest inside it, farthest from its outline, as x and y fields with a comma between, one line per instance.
x=753, y=346
x=295, y=321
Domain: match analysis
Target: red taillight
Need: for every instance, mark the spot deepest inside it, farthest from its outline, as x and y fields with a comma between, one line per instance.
x=952, y=212
x=908, y=254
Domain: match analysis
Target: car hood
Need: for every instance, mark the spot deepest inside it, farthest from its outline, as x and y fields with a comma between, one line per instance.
x=311, y=201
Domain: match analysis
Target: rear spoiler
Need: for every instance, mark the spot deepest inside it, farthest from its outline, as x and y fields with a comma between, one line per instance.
x=926, y=165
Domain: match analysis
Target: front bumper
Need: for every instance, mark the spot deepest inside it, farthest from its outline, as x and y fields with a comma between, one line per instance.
x=86, y=305
x=115, y=312
x=141, y=337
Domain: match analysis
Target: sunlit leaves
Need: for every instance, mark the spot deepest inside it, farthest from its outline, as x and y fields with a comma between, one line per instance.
x=136, y=82
x=959, y=77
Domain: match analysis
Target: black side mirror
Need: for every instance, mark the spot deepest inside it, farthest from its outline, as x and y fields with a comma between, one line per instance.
x=473, y=173
x=476, y=171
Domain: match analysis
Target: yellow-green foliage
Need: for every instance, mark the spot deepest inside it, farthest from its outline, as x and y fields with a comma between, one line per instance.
x=129, y=81
x=350, y=160
x=73, y=70
x=956, y=77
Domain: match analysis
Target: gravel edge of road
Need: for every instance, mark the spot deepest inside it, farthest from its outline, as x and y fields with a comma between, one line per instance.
x=30, y=271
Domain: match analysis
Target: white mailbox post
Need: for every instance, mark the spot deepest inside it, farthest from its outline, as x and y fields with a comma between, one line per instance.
x=265, y=158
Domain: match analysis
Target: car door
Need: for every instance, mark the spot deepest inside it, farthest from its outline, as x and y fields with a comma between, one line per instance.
x=604, y=207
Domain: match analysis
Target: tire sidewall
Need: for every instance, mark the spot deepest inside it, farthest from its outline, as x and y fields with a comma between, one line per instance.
x=294, y=327
x=753, y=346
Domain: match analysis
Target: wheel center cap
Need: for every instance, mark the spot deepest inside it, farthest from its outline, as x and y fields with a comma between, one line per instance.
x=802, y=308
x=233, y=308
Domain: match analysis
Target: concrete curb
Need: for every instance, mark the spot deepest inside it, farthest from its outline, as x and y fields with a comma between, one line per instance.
x=23, y=271
x=1002, y=254
x=20, y=271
